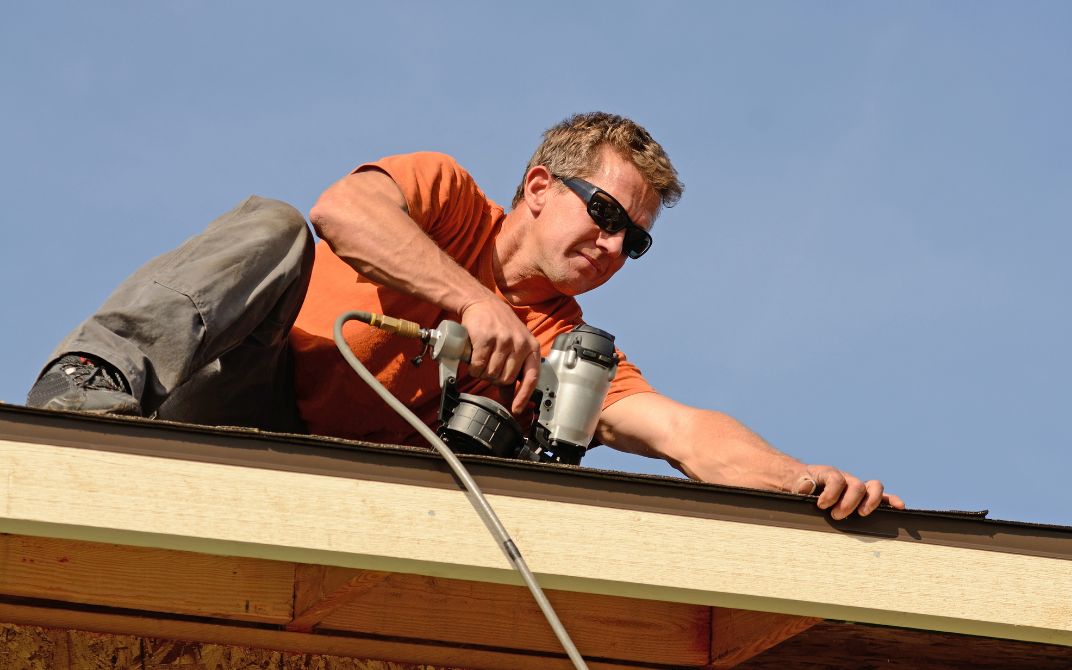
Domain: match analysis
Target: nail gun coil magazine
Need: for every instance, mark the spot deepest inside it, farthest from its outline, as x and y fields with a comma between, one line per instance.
x=473, y=424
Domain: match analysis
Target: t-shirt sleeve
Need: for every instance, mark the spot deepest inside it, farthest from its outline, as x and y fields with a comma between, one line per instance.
x=562, y=316
x=441, y=196
x=627, y=381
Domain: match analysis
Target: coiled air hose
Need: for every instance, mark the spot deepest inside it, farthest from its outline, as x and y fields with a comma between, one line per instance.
x=472, y=491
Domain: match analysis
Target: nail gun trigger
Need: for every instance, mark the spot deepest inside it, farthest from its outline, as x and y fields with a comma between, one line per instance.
x=419, y=358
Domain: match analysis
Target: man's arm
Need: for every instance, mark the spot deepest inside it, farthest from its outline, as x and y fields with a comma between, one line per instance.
x=363, y=217
x=713, y=447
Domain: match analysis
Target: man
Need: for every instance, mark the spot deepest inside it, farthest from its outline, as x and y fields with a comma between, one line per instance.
x=202, y=333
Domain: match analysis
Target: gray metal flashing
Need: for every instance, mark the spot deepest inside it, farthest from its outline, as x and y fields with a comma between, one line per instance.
x=586, y=486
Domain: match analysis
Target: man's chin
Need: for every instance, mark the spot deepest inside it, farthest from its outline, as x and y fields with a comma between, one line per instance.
x=580, y=285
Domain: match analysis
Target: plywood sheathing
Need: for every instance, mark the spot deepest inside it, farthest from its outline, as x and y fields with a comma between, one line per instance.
x=38, y=648
x=35, y=648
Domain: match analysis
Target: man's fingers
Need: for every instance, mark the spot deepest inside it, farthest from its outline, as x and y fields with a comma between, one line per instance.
x=501, y=342
x=843, y=494
x=893, y=501
x=853, y=494
x=529, y=376
x=496, y=368
x=511, y=370
x=478, y=359
x=872, y=499
x=805, y=485
x=524, y=353
x=494, y=361
x=832, y=482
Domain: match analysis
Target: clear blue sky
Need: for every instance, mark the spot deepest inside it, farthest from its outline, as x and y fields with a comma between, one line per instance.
x=869, y=266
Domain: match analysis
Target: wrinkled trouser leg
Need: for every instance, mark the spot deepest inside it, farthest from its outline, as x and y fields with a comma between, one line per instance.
x=201, y=332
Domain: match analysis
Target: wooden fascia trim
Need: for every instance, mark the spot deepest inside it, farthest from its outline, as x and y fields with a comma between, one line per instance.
x=394, y=527
x=736, y=635
x=165, y=584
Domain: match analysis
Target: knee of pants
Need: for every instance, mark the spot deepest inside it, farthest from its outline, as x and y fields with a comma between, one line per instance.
x=279, y=224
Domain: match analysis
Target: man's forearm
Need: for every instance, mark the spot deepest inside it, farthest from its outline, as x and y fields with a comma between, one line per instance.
x=715, y=447
x=703, y=444
x=363, y=220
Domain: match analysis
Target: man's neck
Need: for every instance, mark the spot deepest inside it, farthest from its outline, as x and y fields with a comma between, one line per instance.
x=516, y=271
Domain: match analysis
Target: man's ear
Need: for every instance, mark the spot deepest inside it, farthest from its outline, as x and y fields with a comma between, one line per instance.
x=538, y=183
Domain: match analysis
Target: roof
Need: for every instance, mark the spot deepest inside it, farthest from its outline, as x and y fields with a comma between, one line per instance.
x=627, y=550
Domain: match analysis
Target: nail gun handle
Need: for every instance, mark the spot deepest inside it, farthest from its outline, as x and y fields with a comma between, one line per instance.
x=450, y=348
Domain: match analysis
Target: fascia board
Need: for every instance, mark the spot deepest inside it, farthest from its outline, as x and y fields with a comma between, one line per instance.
x=220, y=508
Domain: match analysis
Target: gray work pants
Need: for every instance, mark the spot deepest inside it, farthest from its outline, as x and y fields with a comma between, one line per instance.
x=200, y=332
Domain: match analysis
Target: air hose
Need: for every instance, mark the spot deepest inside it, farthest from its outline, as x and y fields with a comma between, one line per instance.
x=468, y=484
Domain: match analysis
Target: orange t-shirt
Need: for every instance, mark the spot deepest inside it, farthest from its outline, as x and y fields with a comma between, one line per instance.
x=447, y=204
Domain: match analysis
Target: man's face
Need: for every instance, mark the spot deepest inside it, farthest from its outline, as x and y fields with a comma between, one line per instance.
x=575, y=255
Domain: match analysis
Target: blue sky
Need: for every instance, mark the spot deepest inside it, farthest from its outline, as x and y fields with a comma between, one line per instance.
x=869, y=266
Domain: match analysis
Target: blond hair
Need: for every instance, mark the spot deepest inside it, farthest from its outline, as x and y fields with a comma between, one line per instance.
x=572, y=149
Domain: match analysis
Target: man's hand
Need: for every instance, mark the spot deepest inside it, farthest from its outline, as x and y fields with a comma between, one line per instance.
x=842, y=493
x=502, y=347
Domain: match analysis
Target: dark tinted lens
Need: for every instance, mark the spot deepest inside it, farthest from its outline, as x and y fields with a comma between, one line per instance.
x=607, y=213
x=637, y=242
x=611, y=217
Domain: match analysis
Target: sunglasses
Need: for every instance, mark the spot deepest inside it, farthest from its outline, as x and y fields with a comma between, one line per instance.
x=610, y=216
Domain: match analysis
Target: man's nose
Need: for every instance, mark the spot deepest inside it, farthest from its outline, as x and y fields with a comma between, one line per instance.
x=611, y=243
